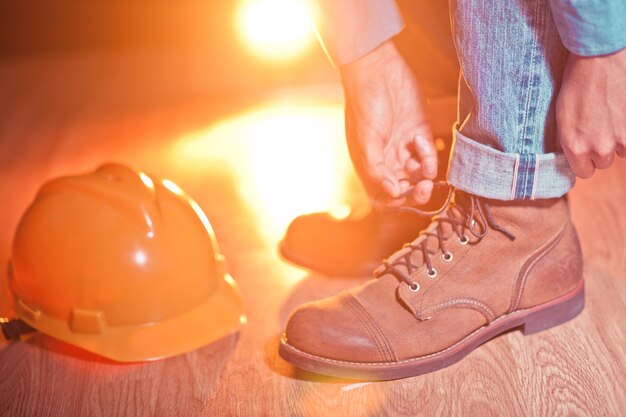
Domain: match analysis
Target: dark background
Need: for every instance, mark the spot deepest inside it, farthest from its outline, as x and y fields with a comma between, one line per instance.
x=206, y=30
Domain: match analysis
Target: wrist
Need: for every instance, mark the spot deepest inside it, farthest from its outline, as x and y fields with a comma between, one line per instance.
x=384, y=53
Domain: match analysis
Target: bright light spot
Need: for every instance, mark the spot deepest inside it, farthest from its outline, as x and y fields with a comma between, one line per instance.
x=355, y=386
x=440, y=144
x=140, y=257
x=229, y=280
x=170, y=185
x=146, y=180
x=340, y=211
x=287, y=160
x=149, y=223
x=203, y=218
x=275, y=29
x=295, y=167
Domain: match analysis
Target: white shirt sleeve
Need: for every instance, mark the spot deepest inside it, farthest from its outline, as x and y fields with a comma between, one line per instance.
x=349, y=29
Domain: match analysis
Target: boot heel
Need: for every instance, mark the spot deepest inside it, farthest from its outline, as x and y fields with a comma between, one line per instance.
x=556, y=314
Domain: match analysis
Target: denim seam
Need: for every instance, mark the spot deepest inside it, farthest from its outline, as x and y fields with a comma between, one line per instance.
x=525, y=170
x=531, y=90
x=514, y=184
x=528, y=174
x=533, y=195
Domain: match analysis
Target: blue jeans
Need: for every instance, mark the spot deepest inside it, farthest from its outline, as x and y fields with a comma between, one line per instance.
x=512, y=62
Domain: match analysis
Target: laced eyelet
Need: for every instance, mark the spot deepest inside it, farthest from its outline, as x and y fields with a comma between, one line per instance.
x=464, y=240
x=415, y=287
x=447, y=257
x=432, y=273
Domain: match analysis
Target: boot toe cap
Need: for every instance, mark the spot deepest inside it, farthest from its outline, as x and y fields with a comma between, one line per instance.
x=334, y=328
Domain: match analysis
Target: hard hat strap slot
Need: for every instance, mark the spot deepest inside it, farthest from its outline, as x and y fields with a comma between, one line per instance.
x=14, y=329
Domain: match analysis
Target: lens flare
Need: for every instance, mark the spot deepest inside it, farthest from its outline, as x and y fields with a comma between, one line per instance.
x=275, y=29
x=288, y=160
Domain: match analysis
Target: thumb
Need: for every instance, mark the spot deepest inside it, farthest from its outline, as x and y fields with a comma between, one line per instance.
x=389, y=181
x=380, y=170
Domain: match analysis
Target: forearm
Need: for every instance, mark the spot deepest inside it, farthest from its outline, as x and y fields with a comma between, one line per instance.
x=349, y=29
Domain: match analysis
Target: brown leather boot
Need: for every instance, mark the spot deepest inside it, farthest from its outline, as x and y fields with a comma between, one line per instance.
x=480, y=269
x=352, y=246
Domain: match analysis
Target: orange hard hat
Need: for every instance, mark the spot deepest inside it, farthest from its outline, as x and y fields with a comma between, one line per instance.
x=123, y=266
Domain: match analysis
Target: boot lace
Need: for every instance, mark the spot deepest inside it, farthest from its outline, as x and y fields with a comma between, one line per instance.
x=462, y=219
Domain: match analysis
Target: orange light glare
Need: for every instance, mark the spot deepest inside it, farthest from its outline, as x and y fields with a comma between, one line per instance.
x=289, y=160
x=277, y=30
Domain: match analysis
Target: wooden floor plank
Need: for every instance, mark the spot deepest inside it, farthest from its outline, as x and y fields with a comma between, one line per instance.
x=206, y=146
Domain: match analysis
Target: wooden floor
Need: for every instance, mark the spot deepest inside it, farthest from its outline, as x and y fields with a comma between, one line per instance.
x=253, y=163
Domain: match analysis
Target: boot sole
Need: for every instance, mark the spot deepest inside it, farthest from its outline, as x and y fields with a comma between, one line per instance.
x=529, y=321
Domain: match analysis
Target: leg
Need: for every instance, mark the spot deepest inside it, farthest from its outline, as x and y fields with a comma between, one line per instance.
x=505, y=139
x=484, y=266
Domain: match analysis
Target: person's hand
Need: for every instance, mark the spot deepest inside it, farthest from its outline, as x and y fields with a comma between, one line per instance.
x=591, y=111
x=389, y=138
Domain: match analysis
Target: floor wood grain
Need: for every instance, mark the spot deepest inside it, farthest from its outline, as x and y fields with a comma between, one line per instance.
x=253, y=163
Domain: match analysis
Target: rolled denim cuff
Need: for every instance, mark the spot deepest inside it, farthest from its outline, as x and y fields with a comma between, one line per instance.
x=349, y=29
x=490, y=173
x=591, y=27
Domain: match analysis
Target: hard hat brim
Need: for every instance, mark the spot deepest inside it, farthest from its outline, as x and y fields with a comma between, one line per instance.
x=220, y=315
